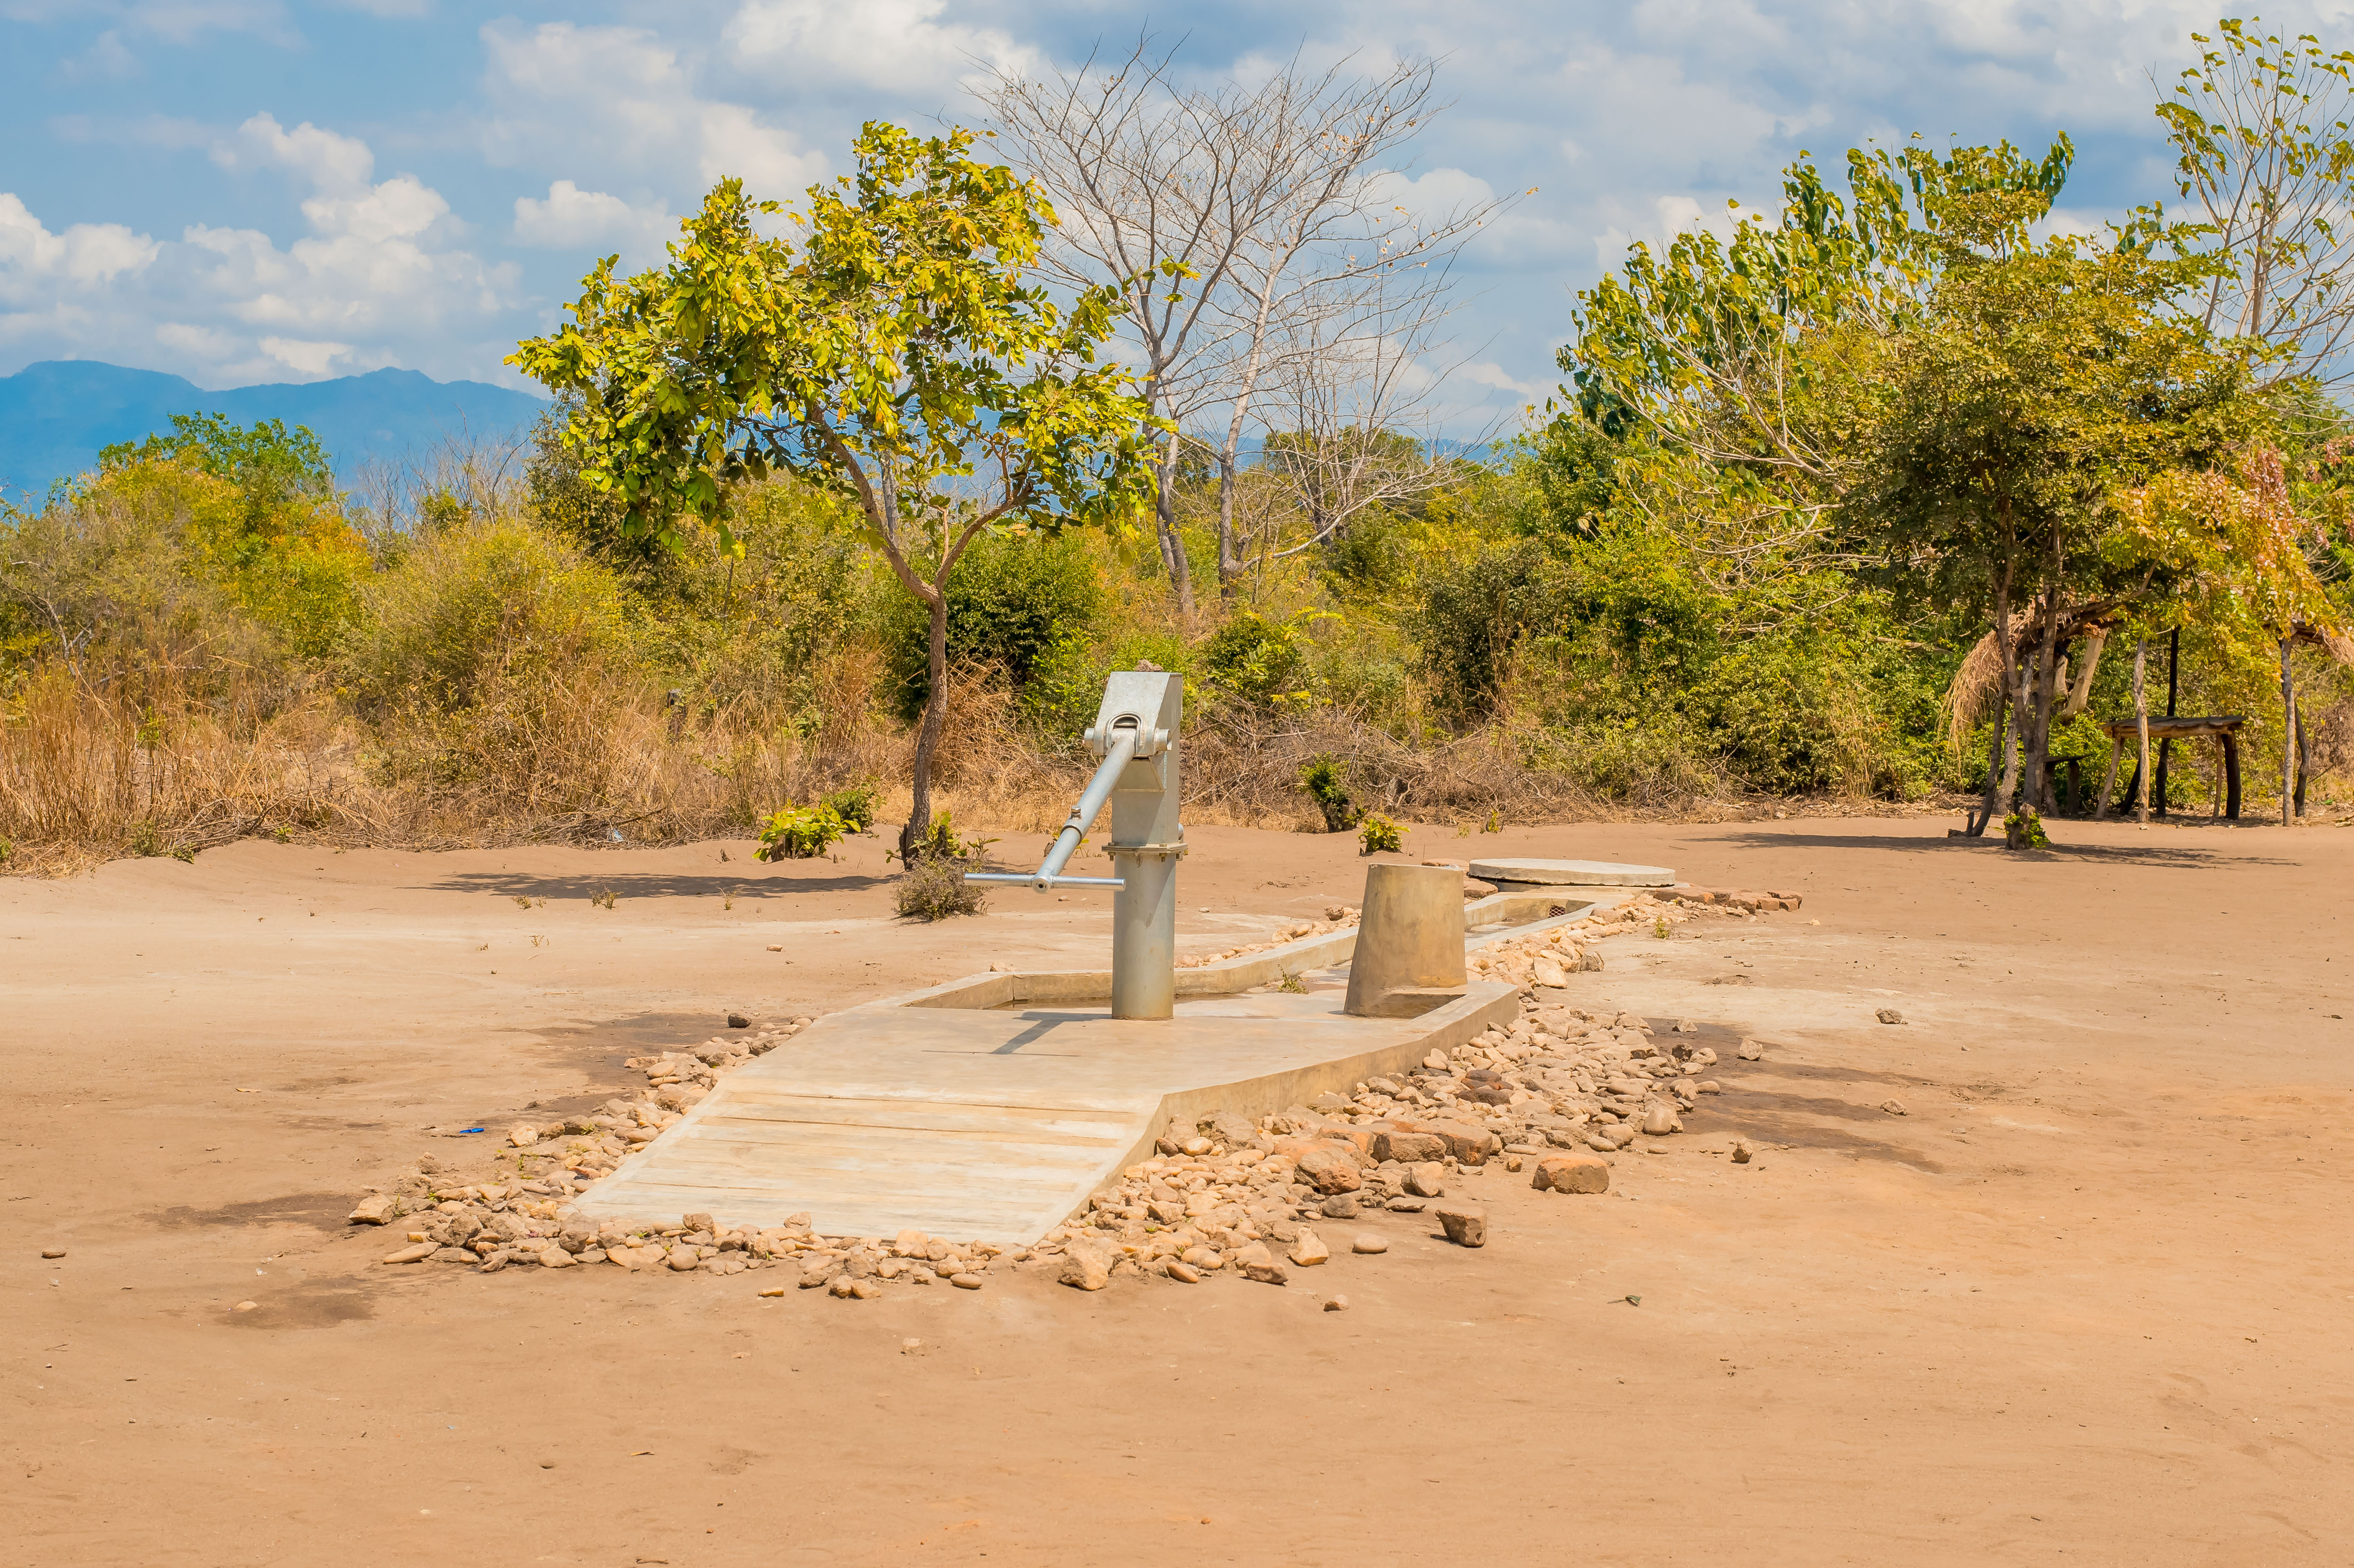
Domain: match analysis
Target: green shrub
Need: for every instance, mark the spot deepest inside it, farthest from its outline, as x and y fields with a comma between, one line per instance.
x=1379, y=835
x=941, y=842
x=1261, y=661
x=1021, y=606
x=934, y=888
x=799, y=833
x=477, y=602
x=1322, y=778
x=854, y=804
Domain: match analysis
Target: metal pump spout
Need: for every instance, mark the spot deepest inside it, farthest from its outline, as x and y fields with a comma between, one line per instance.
x=1134, y=738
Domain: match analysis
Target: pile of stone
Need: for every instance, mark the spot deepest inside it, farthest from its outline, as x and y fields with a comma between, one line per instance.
x=1552, y=1092
x=1734, y=899
x=1339, y=918
x=492, y=1226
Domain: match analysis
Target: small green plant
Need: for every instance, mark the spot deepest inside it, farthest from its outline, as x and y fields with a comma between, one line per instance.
x=1323, y=780
x=1379, y=835
x=6, y=850
x=1660, y=929
x=283, y=835
x=934, y=888
x=799, y=833
x=2024, y=831
x=942, y=844
x=854, y=804
x=1495, y=824
x=728, y=899
x=520, y=902
x=1290, y=982
x=144, y=838
x=603, y=900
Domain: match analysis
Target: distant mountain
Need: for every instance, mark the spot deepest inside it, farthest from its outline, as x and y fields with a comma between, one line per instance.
x=54, y=416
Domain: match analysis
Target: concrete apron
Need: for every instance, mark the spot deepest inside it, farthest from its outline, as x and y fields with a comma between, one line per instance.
x=989, y=1108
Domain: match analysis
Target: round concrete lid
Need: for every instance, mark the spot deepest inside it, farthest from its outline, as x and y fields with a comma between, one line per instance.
x=1574, y=872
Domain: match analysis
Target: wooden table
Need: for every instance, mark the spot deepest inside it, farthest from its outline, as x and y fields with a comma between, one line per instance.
x=2225, y=727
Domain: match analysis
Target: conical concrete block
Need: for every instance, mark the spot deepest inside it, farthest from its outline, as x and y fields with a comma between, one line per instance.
x=1409, y=953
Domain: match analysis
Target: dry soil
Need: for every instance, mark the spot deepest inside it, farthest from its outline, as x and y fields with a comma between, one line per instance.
x=2086, y=1300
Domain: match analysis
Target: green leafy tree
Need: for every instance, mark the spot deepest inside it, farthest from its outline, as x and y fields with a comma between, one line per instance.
x=2039, y=382
x=899, y=357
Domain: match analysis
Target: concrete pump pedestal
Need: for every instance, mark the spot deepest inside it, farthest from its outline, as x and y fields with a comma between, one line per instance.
x=988, y=1109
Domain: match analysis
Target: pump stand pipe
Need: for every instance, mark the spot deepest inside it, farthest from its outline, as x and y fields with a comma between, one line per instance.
x=1135, y=737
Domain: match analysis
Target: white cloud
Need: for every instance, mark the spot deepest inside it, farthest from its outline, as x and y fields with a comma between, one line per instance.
x=327, y=160
x=572, y=218
x=896, y=45
x=85, y=255
x=379, y=278
x=605, y=106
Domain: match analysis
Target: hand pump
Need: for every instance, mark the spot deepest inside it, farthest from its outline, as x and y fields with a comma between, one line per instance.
x=1134, y=739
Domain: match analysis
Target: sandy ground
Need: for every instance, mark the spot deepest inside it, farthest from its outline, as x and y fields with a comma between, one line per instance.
x=2086, y=1301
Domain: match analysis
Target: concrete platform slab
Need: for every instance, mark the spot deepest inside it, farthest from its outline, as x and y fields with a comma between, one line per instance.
x=1572, y=874
x=988, y=1109
x=995, y=1124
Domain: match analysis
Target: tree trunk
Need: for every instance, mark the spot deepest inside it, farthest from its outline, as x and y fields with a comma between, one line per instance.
x=1977, y=825
x=2039, y=727
x=2141, y=723
x=935, y=713
x=1172, y=544
x=1230, y=551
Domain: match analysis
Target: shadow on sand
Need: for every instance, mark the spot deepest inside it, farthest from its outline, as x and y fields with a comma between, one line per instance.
x=515, y=884
x=2172, y=857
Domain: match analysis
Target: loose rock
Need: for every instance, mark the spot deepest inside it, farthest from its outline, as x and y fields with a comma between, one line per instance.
x=381, y=1209
x=1466, y=1224
x=1336, y=1303
x=1572, y=1174
x=1890, y=1016
x=1310, y=1251
x=416, y=1254
x=1370, y=1244
x=1086, y=1266
x=1256, y=1261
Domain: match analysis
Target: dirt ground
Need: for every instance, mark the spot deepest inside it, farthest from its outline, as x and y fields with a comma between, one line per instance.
x=2086, y=1300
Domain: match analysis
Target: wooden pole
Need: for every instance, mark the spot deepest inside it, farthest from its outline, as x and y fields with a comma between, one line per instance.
x=2304, y=764
x=2109, y=784
x=2288, y=739
x=2231, y=775
x=2173, y=690
x=2141, y=723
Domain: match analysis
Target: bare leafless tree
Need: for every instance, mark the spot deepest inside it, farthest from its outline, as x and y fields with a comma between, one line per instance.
x=1232, y=216
x=2261, y=126
x=1351, y=415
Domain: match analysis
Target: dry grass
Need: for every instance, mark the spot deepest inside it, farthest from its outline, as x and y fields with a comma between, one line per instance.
x=88, y=776
x=585, y=756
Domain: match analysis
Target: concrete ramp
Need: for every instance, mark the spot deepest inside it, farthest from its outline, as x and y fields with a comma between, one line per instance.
x=995, y=1125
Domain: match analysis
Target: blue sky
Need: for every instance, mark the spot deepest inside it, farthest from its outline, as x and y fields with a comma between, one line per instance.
x=251, y=190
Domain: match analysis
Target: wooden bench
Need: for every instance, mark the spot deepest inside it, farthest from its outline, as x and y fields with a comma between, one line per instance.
x=2182, y=727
